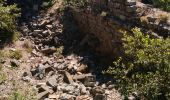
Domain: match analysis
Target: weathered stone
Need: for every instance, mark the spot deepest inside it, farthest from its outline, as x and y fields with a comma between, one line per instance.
x=110, y=87
x=38, y=31
x=56, y=41
x=26, y=78
x=100, y=97
x=52, y=82
x=44, y=22
x=46, y=88
x=83, y=97
x=35, y=53
x=49, y=26
x=53, y=96
x=68, y=88
x=98, y=90
x=60, y=66
x=131, y=97
x=40, y=84
x=42, y=95
x=83, y=89
x=89, y=84
x=37, y=35
x=45, y=33
x=90, y=81
x=82, y=77
x=48, y=50
x=104, y=86
x=39, y=71
x=14, y=63
x=131, y=2
x=48, y=99
x=49, y=70
x=79, y=73
x=82, y=68
x=50, y=73
x=68, y=78
x=65, y=96
x=73, y=89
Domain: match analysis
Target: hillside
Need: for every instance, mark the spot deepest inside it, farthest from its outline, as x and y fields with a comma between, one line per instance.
x=84, y=50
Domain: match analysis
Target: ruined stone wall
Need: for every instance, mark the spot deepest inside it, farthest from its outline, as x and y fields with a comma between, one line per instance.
x=105, y=19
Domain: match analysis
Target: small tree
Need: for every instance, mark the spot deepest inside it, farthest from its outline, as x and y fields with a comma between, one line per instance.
x=164, y=4
x=145, y=67
x=8, y=16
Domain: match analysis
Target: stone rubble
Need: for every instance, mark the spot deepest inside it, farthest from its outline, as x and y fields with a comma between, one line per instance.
x=60, y=77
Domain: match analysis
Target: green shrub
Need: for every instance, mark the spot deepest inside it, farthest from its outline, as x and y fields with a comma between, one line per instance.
x=22, y=95
x=3, y=77
x=76, y=3
x=48, y=3
x=17, y=54
x=145, y=68
x=17, y=95
x=8, y=16
x=164, y=4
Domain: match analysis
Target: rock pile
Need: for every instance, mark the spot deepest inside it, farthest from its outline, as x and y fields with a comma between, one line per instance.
x=59, y=77
x=62, y=80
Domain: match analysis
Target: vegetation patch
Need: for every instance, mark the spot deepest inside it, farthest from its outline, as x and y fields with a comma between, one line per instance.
x=59, y=50
x=28, y=46
x=15, y=54
x=3, y=77
x=15, y=36
x=2, y=54
x=163, y=17
x=9, y=13
x=76, y=3
x=144, y=70
x=47, y=4
x=164, y=4
x=20, y=95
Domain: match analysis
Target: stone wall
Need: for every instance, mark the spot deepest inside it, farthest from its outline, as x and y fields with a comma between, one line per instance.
x=106, y=19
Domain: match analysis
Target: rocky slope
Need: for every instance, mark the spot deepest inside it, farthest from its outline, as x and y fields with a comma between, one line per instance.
x=56, y=62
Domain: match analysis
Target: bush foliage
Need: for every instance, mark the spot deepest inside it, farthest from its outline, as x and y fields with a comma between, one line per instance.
x=76, y=3
x=164, y=4
x=145, y=68
x=8, y=16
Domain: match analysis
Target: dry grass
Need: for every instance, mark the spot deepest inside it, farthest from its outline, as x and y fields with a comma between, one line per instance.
x=15, y=37
x=18, y=94
x=15, y=54
x=28, y=46
x=3, y=77
x=163, y=17
x=144, y=19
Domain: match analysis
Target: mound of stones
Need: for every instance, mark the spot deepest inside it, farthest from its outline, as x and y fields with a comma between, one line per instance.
x=59, y=77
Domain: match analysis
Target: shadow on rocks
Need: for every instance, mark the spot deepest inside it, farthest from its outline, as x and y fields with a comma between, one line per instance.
x=72, y=45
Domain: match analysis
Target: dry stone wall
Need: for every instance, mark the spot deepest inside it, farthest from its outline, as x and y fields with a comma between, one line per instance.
x=106, y=19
